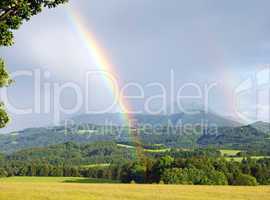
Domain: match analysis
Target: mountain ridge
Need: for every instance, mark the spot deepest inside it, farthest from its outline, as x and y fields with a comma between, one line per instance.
x=199, y=117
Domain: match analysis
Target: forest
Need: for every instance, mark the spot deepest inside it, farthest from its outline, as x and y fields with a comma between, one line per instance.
x=108, y=160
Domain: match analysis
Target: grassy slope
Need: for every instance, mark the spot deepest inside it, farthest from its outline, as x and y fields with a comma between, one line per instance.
x=96, y=165
x=239, y=159
x=157, y=150
x=146, y=150
x=53, y=189
x=229, y=152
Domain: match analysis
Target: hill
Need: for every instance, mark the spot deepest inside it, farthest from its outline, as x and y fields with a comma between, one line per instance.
x=244, y=137
x=73, y=154
x=262, y=126
x=199, y=117
x=42, y=137
x=110, y=127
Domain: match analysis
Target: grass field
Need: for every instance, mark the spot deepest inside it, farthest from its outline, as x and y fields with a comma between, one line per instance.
x=239, y=159
x=125, y=146
x=157, y=150
x=146, y=150
x=229, y=152
x=96, y=165
x=24, y=188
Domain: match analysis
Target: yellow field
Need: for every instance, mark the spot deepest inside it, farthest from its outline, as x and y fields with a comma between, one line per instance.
x=55, y=189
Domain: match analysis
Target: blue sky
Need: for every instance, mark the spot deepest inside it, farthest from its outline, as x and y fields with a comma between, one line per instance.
x=202, y=41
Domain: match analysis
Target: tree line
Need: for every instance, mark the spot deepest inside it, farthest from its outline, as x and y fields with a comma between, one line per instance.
x=198, y=166
x=198, y=171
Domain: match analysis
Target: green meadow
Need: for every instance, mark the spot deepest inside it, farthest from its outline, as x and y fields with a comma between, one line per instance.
x=229, y=152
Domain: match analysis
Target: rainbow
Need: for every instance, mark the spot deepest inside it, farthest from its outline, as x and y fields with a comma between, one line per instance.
x=104, y=65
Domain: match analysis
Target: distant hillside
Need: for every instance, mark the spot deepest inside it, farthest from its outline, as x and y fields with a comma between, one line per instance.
x=73, y=154
x=42, y=137
x=89, y=133
x=117, y=119
x=262, y=126
x=227, y=135
x=200, y=117
x=243, y=137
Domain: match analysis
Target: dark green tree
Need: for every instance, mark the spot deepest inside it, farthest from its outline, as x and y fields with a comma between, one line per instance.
x=3, y=172
x=159, y=167
x=32, y=170
x=43, y=170
x=12, y=14
x=75, y=172
x=244, y=179
x=175, y=176
x=134, y=172
x=4, y=81
x=216, y=178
